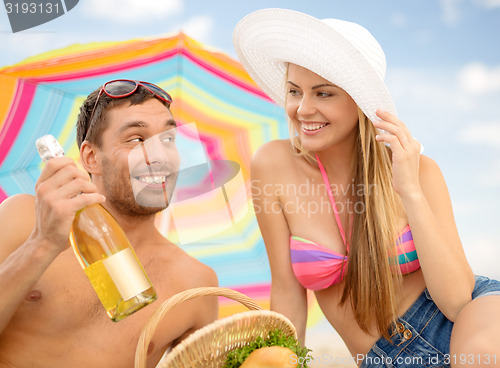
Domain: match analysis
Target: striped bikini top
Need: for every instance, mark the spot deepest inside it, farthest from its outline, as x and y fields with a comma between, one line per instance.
x=317, y=267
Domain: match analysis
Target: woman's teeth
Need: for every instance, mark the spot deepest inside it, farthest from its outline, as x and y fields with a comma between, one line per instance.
x=152, y=179
x=311, y=127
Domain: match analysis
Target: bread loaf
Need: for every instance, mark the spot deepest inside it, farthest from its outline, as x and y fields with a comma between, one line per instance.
x=271, y=357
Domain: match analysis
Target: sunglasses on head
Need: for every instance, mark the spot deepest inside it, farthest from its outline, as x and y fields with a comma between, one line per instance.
x=121, y=88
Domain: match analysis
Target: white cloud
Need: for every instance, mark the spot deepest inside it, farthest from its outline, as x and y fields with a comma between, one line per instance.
x=467, y=207
x=484, y=136
x=427, y=89
x=481, y=133
x=488, y=3
x=199, y=27
x=451, y=13
x=33, y=43
x=483, y=253
x=135, y=11
x=4, y=23
x=424, y=36
x=476, y=78
x=399, y=20
x=491, y=177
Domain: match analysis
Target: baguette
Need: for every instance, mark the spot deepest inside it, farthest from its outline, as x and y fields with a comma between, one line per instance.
x=270, y=357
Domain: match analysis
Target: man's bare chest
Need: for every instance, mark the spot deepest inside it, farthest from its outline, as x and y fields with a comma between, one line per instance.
x=62, y=313
x=63, y=297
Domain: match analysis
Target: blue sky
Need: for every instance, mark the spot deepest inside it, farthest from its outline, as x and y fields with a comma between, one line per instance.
x=443, y=70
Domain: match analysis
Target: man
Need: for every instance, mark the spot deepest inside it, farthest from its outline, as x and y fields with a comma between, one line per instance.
x=49, y=314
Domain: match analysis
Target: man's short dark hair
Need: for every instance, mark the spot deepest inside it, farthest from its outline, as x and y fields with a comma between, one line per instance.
x=92, y=130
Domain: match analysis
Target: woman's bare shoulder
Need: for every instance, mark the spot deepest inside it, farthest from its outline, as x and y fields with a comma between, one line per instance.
x=429, y=171
x=273, y=156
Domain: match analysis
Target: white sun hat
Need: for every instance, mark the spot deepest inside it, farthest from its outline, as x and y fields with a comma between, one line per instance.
x=341, y=52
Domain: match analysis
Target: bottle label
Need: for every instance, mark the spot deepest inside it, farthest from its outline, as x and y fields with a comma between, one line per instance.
x=127, y=273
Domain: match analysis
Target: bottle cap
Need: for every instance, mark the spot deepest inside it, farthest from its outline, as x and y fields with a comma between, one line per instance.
x=48, y=147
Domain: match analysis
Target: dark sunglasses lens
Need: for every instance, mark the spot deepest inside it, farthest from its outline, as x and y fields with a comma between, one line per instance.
x=158, y=91
x=120, y=88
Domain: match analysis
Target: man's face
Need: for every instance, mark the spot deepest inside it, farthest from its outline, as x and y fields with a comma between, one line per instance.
x=139, y=158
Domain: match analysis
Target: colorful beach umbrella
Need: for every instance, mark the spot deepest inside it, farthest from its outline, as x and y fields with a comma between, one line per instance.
x=233, y=117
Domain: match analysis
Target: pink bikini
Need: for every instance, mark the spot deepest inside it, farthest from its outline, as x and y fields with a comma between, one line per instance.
x=317, y=267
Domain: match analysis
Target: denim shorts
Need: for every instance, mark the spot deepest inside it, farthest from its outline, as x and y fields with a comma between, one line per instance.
x=421, y=336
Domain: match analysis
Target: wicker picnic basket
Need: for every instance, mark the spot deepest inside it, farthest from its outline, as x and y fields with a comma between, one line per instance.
x=209, y=346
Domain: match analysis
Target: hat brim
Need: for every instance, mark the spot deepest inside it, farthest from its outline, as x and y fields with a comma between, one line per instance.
x=267, y=40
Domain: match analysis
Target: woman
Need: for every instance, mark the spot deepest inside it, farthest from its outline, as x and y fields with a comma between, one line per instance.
x=373, y=233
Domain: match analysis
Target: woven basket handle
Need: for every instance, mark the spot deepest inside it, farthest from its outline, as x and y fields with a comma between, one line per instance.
x=150, y=327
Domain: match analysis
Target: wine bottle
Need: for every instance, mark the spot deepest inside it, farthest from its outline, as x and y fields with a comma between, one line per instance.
x=105, y=253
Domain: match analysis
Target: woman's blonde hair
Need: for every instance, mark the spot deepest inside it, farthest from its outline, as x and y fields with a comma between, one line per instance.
x=373, y=279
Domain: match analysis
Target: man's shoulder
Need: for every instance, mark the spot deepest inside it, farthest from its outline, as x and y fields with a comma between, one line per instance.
x=188, y=267
x=199, y=271
x=18, y=210
x=18, y=202
x=17, y=214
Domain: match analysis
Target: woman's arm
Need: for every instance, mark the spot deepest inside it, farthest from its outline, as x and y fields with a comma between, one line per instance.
x=288, y=297
x=425, y=197
x=446, y=271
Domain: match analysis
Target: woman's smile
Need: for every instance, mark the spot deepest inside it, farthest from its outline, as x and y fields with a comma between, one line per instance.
x=312, y=128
